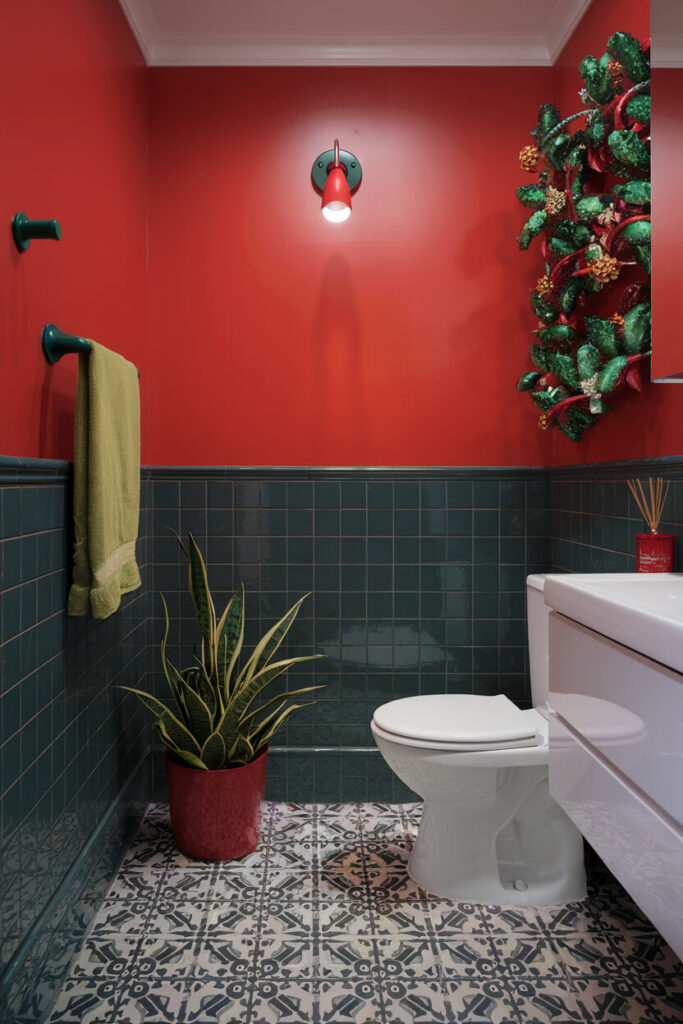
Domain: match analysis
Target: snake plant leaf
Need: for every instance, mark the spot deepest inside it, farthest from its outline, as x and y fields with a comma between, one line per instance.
x=213, y=751
x=232, y=633
x=588, y=361
x=528, y=381
x=611, y=372
x=166, y=665
x=532, y=196
x=639, y=193
x=637, y=329
x=602, y=335
x=628, y=149
x=639, y=108
x=271, y=640
x=199, y=715
x=280, y=697
x=265, y=737
x=563, y=366
x=628, y=51
x=241, y=751
x=201, y=598
x=185, y=756
x=534, y=226
x=597, y=79
x=182, y=738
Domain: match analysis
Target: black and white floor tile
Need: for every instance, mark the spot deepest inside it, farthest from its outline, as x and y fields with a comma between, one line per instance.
x=322, y=925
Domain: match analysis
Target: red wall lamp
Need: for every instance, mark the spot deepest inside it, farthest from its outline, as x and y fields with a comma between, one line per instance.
x=336, y=173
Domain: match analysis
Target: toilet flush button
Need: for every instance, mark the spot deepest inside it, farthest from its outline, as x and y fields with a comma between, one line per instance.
x=520, y=885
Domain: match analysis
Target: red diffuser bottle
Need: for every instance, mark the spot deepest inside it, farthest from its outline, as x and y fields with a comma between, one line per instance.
x=654, y=550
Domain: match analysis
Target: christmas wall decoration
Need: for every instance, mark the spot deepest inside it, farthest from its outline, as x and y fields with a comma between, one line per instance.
x=591, y=214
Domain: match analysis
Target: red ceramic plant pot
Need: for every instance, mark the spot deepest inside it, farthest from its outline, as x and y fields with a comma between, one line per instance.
x=655, y=552
x=216, y=815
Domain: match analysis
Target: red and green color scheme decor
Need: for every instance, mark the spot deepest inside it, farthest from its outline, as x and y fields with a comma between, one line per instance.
x=214, y=725
x=591, y=212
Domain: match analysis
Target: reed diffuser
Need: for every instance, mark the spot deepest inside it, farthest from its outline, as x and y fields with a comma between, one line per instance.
x=654, y=550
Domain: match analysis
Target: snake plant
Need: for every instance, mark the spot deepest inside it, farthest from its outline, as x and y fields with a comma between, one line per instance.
x=210, y=720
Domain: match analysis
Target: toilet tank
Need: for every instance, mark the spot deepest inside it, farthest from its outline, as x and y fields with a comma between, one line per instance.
x=538, y=624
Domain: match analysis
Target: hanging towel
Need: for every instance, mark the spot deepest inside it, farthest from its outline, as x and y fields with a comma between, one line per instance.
x=106, y=483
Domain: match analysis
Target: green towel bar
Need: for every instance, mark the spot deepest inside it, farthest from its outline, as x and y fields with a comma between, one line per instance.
x=57, y=344
x=24, y=229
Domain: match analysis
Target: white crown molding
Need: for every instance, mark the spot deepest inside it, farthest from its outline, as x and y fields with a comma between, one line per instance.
x=535, y=49
x=563, y=19
x=171, y=51
x=143, y=25
x=668, y=54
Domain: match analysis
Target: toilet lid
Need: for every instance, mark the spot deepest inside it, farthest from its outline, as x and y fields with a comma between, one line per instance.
x=462, y=718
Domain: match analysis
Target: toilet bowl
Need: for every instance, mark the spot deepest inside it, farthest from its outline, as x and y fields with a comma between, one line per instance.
x=490, y=831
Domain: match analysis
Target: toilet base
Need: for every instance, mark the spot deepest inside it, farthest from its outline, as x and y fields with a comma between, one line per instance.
x=501, y=840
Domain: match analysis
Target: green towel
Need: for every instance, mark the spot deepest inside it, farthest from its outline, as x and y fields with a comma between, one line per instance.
x=106, y=483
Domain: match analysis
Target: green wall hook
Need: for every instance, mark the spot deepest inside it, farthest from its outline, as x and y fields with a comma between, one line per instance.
x=56, y=343
x=23, y=230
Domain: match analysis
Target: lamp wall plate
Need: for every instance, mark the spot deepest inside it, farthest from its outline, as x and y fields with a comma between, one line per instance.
x=349, y=162
x=24, y=229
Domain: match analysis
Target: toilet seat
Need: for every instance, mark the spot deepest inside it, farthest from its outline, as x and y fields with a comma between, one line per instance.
x=457, y=722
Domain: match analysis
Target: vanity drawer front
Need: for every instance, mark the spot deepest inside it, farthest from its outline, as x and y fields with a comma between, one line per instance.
x=643, y=850
x=627, y=706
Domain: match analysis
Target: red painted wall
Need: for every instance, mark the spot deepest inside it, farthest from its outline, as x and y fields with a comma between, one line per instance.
x=394, y=338
x=639, y=426
x=74, y=125
x=667, y=220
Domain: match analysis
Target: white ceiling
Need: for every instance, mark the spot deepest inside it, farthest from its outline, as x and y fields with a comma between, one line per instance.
x=353, y=32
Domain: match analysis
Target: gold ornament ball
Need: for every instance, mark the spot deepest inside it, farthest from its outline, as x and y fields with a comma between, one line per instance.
x=605, y=269
x=555, y=201
x=528, y=158
x=617, y=321
x=544, y=285
x=543, y=422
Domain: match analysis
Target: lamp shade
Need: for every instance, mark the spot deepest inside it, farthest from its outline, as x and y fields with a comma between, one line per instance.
x=336, y=196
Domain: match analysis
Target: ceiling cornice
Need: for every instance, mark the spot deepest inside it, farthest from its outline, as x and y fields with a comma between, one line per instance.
x=161, y=48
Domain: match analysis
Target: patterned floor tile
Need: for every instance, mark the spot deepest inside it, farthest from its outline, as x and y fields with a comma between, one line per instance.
x=455, y=918
x=151, y=1000
x=218, y=1001
x=353, y=1001
x=322, y=923
x=284, y=1002
x=545, y=1001
x=526, y=956
x=348, y=957
x=176, y=917
x=468, y=956
x=111, y=956
x=414, y=1002
x=86, y=1001
x=479, y=1001
x=121, y=917
x=226, y=956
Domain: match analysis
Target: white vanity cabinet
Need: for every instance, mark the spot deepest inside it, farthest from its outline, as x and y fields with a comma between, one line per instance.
x=616, y=733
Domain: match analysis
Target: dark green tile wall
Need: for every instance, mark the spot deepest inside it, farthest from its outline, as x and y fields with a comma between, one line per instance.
x=417, y=581
x=69, y=739
x=595, y=519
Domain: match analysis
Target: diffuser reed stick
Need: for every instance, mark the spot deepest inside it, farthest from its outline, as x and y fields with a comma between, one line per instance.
x=651, y=505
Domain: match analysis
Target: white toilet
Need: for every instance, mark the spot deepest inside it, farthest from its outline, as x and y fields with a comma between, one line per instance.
x=490, y=831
